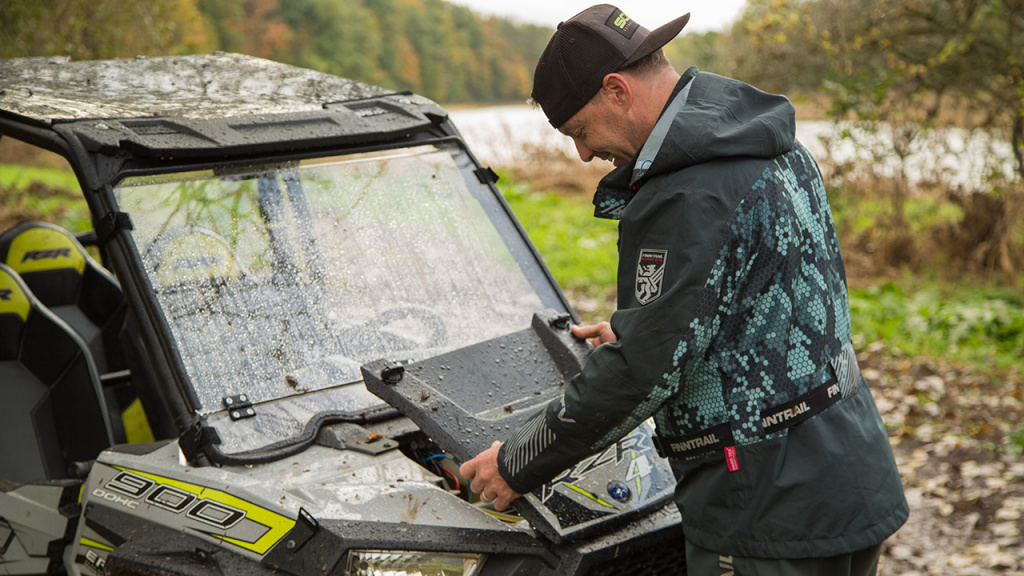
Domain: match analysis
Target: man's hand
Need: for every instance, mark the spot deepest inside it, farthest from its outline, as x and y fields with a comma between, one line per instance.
x=485, y=480
x=597, y=334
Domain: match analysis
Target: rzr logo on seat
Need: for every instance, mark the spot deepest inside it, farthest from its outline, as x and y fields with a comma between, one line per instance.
x=52, y=253
x=5, y=294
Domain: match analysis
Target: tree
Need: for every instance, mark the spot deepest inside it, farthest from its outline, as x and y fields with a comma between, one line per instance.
x=101, y=28
x=701, y=49
x=904, y=67
x=441, y=50
x=800, y=45
x=904, y=60
x=334, y=37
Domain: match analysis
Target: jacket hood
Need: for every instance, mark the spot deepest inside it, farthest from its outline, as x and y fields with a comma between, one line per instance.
x=721, y=118
x=725, y=118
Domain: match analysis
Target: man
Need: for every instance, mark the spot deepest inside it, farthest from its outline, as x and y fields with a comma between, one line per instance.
x=732, y=328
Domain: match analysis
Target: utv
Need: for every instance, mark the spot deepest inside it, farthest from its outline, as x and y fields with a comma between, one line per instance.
x=307, y=297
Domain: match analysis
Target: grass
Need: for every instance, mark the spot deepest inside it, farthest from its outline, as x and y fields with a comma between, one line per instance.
x=48, y=194
x=860, y=213
x=980, y=327
x=21, y=177
x=580, y=250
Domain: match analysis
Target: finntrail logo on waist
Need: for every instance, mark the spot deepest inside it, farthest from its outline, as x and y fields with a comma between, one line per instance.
x=800, y=408
x=622, y=24
x=695, y=443
x=650, y=271
x=783, y=416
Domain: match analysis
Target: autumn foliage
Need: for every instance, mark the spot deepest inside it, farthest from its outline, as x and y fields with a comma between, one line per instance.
x=441, y=50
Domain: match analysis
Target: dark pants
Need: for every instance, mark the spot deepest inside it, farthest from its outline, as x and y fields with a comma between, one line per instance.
x=700, y=562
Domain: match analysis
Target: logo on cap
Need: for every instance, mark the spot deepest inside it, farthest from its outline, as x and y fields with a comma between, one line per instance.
x=622, y=24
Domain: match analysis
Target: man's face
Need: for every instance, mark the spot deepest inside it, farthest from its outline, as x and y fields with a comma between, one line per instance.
x=600, y=130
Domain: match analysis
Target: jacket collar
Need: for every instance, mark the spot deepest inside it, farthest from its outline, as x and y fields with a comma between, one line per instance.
x=619, y=186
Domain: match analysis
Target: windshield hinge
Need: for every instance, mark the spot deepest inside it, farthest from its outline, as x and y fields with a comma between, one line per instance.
x=238, y=406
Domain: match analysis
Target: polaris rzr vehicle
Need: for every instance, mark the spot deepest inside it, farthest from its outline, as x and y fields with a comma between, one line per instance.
x=302, y=305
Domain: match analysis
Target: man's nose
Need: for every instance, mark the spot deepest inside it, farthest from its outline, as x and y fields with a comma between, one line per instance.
x=586, y=154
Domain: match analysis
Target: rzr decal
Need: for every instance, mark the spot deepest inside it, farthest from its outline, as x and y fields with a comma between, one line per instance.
x=650, y=271
x=575, y=474
x=51, y=254
x=639, y=468
x=44, y=249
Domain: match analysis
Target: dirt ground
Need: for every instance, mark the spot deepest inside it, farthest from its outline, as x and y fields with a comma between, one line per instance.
x=952, y=434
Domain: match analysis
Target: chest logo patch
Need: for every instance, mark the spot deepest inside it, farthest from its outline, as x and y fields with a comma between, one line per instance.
x=650, y=271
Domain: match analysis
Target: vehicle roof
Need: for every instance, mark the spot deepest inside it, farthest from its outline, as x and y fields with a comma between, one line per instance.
x=200, y=106
x=196, y=87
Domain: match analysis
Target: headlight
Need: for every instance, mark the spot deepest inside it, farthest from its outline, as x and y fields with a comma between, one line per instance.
x=412, y=563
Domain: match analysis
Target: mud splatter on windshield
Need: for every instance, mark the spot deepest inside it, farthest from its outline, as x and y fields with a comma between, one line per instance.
x=283, y=280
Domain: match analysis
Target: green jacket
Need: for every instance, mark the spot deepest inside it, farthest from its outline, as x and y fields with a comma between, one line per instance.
x=734, y=335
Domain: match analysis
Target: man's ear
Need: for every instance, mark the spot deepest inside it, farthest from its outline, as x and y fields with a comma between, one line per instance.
x=616, y=87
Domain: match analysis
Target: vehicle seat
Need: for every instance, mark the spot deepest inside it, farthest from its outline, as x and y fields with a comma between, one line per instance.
x=52, y=408
x=65, y=279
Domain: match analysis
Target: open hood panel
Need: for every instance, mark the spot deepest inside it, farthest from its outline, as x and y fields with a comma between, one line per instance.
x=466, y=399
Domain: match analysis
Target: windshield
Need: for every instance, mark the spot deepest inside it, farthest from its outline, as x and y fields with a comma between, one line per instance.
x=281, y=280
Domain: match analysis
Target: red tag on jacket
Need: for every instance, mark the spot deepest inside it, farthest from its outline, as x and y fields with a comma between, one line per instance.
x=730, y=459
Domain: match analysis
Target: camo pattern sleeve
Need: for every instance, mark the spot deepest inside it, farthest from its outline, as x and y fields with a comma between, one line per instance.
x=773, y=322
x=726, y=308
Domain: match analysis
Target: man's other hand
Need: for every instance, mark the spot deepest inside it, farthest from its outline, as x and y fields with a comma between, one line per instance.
x=485, y=480
x=596, y=334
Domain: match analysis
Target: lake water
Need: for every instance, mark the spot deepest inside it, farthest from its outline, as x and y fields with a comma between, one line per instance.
x=497, y=135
